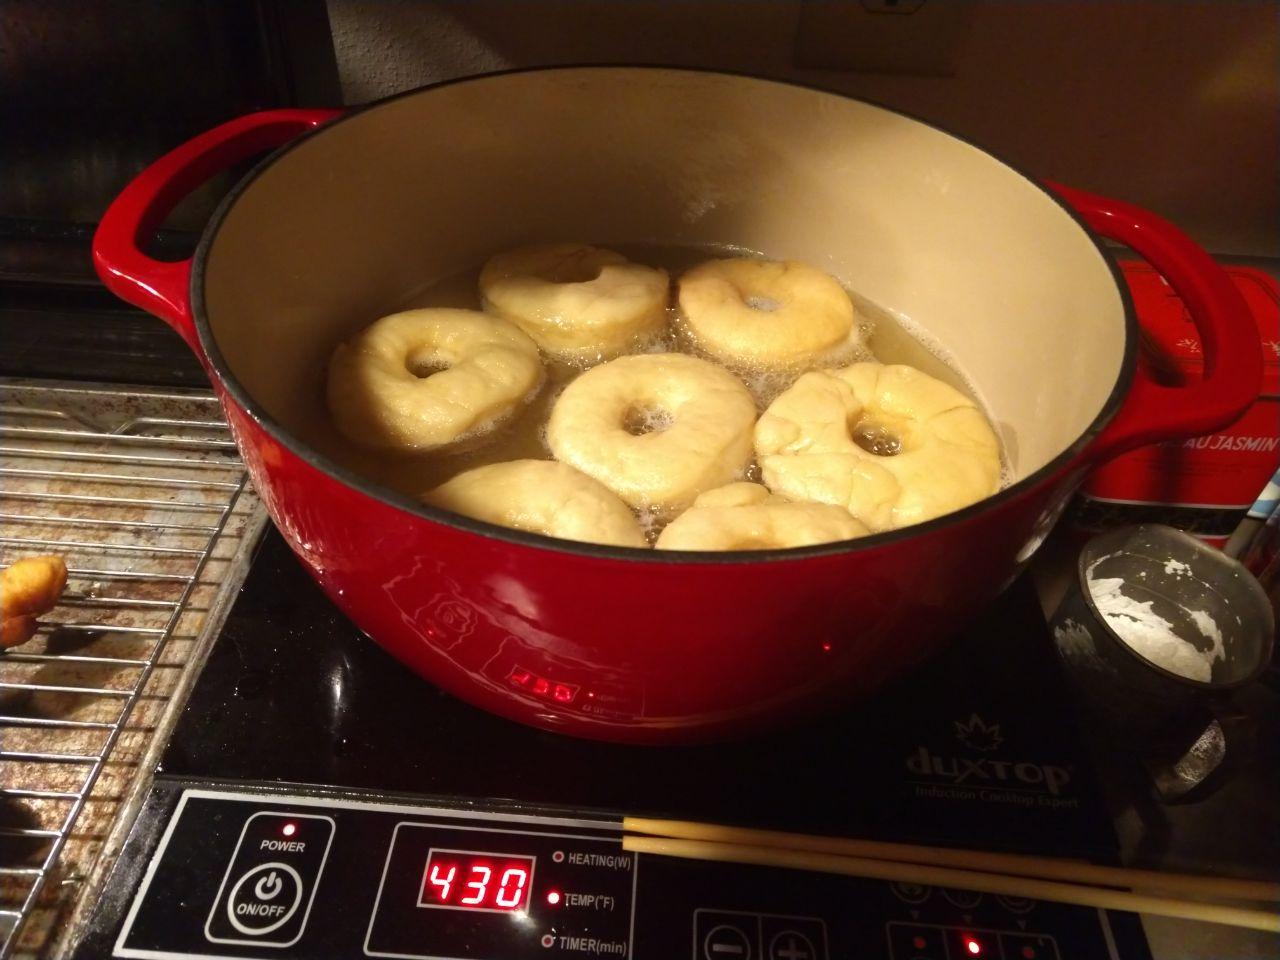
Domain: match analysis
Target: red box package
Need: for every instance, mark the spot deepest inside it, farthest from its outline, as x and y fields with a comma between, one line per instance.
x=1204, y=485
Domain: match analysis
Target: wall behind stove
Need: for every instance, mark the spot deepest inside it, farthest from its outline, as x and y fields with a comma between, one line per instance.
x=1175, y=106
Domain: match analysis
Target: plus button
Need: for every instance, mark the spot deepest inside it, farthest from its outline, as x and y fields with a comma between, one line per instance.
x=790, y=945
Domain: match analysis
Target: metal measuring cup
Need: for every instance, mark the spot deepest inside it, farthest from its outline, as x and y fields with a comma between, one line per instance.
x=1157, y=631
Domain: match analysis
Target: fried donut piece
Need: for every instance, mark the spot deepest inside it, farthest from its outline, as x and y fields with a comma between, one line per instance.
x=29, y=588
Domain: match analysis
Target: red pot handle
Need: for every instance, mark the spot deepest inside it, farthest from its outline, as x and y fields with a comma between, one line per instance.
x=162, y=287
x=1228, y=333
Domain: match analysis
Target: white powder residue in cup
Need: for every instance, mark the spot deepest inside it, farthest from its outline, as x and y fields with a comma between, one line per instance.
x=1151, y=635
x=1177, y=568
x=1209, y=628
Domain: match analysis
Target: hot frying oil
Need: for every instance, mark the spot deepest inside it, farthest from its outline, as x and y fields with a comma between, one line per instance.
x=523, y=436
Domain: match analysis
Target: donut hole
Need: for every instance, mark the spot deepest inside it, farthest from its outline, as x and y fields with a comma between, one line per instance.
x=876, y=438
x=639, y=420
x=762, y=303
x=576, y=269
x=425, y=365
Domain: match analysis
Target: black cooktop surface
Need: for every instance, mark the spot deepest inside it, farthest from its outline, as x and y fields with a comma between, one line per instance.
x=309, y=769
x=978, y=747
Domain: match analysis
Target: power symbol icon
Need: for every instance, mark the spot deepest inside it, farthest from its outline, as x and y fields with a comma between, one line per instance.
x=268, y=887
x=264, y=898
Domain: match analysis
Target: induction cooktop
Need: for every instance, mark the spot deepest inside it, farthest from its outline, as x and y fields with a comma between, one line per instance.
x=317, y=799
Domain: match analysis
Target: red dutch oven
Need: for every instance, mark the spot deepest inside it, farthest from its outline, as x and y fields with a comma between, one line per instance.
x=359, y=210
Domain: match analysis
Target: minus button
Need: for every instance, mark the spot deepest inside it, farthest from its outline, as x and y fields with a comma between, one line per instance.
x=726, y=942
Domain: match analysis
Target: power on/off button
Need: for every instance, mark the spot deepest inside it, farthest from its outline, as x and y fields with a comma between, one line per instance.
x=264, y=899
x=270, y=882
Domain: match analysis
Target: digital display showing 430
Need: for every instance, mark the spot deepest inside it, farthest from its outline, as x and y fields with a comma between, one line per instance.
x=471, y=880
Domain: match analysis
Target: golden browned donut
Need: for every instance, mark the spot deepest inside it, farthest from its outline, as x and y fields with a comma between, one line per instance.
x=29, y=588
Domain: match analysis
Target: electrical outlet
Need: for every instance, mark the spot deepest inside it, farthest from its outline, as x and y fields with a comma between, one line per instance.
x=910, y=37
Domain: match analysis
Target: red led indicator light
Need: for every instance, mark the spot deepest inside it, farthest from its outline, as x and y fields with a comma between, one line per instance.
x=553, y=897
x=973, y=946
x=289, y=829
x=826, y=648
x=919, y=943
x=1029, y=953
x=542, y=687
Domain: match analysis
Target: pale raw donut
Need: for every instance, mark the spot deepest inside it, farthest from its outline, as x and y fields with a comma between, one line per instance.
x=581, y=304
x=702, y=414
x=746, y=516
x=377, y=398
x=948, y=458
x=748, y=312
x=540, y=496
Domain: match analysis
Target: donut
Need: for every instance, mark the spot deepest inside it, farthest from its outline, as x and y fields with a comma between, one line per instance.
x=764, y=314
x=540, y=496
x=17, y=630
x=657, y=429
x=581, y=304
x=746, y=516
x=29, y=588
x=892, y=445
x=422, y=379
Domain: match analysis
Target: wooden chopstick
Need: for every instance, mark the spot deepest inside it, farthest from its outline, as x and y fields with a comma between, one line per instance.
x=1029, y=887
x=1048, y=868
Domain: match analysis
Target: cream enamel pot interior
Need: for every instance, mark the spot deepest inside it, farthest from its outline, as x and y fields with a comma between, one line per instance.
x=349, y=219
